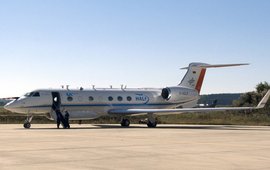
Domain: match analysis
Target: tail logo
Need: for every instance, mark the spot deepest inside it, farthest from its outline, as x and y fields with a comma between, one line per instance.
x=191, y=82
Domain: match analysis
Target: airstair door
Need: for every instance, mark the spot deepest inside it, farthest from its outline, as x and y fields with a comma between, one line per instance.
x=56, y=107
x=56, y=101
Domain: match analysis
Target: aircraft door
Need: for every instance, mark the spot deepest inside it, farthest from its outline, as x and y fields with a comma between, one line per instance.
x=56, y=107
x=56, y=101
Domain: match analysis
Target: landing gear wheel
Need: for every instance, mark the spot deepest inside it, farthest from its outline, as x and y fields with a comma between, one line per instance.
x=125, y=123
x=27, y=122
x=152, y=124
x=27, y=125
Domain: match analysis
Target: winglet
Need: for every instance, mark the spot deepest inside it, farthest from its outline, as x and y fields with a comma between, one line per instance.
x=264, y=100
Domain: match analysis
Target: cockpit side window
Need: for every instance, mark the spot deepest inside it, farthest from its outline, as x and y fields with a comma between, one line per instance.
x=36, y=94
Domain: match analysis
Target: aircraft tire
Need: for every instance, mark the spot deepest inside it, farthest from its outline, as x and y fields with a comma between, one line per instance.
x=125, y=123
x=27, y=125
x=151, y=124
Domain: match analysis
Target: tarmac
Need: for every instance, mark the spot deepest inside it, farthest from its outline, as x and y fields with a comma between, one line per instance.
x=137, y=147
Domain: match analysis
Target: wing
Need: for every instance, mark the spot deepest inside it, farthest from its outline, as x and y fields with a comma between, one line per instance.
x=161, y=111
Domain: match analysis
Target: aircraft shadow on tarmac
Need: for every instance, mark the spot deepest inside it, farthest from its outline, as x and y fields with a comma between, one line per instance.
x=197, y=127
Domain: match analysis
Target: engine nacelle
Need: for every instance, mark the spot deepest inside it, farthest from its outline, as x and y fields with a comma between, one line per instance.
x=166, y=93
x=179, y=94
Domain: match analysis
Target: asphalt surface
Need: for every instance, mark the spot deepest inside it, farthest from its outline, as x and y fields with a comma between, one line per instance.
x=113, y=147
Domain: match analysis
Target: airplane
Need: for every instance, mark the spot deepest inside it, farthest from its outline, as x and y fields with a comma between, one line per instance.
x=62, y=105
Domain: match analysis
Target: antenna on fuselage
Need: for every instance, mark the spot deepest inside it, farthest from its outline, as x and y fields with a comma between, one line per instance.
x=123, y=87
x=62, y=86
x=110, y=86
x=93, y=87
x=67, y=86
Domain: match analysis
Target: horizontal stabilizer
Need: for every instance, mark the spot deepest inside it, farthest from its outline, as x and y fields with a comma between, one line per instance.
x=216, y=65
x=196, y=72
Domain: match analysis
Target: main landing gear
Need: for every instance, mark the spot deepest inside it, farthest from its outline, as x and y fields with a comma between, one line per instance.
x=27, y=122
x=151, y=124
x=150, y=121
x=125, y=123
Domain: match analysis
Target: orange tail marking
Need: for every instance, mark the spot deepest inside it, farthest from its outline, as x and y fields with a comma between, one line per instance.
x=200, y=80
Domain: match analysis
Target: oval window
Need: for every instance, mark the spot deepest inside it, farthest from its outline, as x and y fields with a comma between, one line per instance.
x=69, y=98
x=110, y=98
x=129, y=98
x=91, y=98
x=119, y=98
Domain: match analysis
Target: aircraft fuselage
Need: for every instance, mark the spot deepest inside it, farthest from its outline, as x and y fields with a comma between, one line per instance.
x=89, y=104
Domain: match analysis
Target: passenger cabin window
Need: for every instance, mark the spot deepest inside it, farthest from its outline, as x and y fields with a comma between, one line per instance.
x=119, y=98
x=91, y=98
x=129, y=98
x=110, y=98
x=69, y=98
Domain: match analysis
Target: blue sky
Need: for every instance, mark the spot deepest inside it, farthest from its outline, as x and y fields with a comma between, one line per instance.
x=141, y=43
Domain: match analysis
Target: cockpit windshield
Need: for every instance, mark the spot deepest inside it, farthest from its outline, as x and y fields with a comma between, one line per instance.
x=32, y=94
x=28, y=94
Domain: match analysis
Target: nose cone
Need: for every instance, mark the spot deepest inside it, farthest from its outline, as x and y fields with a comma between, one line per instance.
x=16, y=106
x=9, y=106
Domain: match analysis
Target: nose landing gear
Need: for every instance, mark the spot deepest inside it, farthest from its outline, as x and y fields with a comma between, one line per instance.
x=27, y=122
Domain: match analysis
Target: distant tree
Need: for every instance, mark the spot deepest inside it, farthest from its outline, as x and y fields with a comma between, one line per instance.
x=253, y=98
x=262, y=87
x=246, y=99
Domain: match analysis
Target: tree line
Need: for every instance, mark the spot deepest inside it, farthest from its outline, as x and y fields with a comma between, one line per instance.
x=253, y=98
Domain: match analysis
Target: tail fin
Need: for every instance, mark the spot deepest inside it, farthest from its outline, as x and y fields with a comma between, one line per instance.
x=196, y=72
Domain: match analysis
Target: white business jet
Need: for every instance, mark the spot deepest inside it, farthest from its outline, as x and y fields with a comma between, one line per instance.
x=63, y=105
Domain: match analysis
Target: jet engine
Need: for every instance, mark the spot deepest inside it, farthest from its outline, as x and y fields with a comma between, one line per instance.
x=166, y=93
x=176, y=94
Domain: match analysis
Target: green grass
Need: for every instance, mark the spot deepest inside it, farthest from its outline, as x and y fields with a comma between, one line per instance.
x=217, y=118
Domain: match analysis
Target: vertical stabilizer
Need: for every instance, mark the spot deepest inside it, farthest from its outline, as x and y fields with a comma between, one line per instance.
x=194, y=76
x=196, y=72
